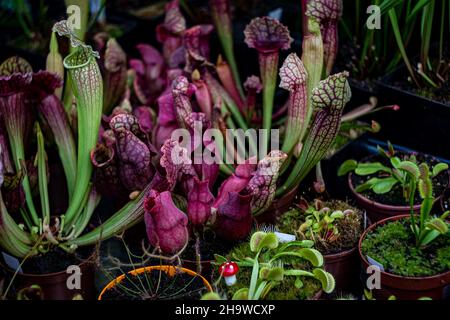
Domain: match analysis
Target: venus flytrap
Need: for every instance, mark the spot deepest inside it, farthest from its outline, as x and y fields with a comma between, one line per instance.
x=393, y=174
x=272, y=264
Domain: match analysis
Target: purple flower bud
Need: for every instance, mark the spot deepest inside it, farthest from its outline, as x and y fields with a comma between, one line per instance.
x=182, y=91
x=165, y=223
x=235, y=183
x=200, y=201
x=233, y=217
x=196, y=43
x=176, y=161
x=145, y=118
x=136, y=169
x=262, y=185
x=170, y=31
x=149, y=80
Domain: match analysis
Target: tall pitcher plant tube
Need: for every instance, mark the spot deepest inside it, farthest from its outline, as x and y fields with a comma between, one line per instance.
x=268, y=36
x=328, y=13
x=87, y=87
x=329, y=98
x=312, y=58
x=13, y=96
x=293, y=78
x=221, y=15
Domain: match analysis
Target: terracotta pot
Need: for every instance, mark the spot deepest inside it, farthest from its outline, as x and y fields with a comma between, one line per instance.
x=344, y=266
x=54, y=285
x=278, y=207
x=377, y=211
x=169, y=270
x=405, y=288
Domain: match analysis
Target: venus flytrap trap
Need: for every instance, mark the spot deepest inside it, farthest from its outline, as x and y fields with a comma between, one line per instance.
x=389, y=176
x=273, y=263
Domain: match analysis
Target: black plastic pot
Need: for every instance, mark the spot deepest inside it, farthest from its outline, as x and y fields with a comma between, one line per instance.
x=360, y=94
x=420, y=124
x=344, y=266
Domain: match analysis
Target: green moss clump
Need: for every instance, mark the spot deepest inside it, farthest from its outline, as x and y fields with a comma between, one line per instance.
x=393, y=245
x=350, y=227
x=285, y=290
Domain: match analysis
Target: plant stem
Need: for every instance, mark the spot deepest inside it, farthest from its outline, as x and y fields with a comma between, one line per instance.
x=268, y=68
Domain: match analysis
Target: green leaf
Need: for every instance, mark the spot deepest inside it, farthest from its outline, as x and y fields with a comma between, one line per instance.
x=337, y=214
x=429, y=237
x=419, y=5
x=241, y=294
x=211, y=296
x=439, y=168
x=273, y=274
x=219, y=259
x=347, y=166
x=298, y=273
x=301, y=244
x=260, y=290
x=254, y=278
x=261, y=240
x=395, y=161
x=365, y=169
x=255, y=240
x=326, y=279
x=438, y=225
x=298, y=283
x=411, y=168
x=425, y=207
x=312, y=255
x=384, y=185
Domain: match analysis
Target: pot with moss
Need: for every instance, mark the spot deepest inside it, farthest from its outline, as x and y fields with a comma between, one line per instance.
x=380, y=185
x=270, y=269
x=411, y=251
x=335, y=228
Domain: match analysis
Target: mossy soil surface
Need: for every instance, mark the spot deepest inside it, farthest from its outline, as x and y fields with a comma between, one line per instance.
x=350, y=227
x=393, y=245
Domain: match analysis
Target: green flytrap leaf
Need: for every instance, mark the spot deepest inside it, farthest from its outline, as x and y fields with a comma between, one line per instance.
x=364, y=169
x=440, y=167
x=346, y=167
x=326, y=279
x=261, y=240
